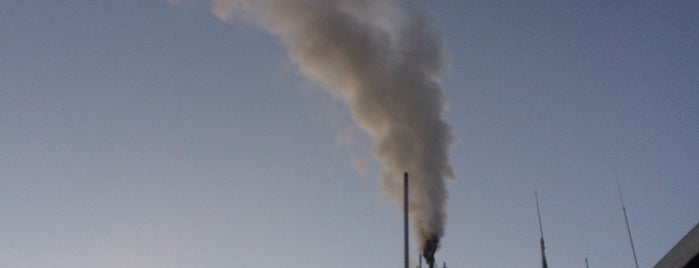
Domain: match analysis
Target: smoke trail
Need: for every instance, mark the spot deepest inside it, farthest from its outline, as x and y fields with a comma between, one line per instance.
x=381, y=58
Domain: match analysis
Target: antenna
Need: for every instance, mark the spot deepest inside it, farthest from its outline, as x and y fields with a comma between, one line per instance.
x=626, y=218
x=538, y=213
x=541, y=231
x=405, y=214
x=586, y=264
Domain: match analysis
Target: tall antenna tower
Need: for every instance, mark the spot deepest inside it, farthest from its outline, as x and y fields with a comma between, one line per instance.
x=405, y=215
x=541, y=231
x=626, y=218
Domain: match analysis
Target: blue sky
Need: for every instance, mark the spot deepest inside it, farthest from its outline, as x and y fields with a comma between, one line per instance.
x=148, y=134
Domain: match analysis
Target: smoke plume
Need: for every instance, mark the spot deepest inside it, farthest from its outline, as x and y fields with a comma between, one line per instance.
x=381, y=58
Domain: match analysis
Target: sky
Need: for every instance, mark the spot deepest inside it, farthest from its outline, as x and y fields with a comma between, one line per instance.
x=147, y=133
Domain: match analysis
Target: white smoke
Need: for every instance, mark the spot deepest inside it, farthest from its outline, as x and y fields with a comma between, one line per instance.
x=380, y=57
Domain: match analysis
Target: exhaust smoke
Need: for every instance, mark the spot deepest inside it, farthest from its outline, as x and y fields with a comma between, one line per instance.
x=382, y=59
x=429, y=248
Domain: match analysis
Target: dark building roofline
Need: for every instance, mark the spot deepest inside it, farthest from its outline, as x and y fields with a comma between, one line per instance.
x=684, y=254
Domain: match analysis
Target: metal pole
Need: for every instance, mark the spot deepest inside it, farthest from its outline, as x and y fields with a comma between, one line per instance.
x=405, y=215
x=586, y=264
x=538, y=213
x=626, y=218
x=544, y=264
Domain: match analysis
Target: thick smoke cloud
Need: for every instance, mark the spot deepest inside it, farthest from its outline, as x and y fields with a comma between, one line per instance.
x=382, y=60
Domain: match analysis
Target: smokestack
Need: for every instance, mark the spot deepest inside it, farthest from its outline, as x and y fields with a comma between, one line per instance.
x=405, y=216
x=384, y=61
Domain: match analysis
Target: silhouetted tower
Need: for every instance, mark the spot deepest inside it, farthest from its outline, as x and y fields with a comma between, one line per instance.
x=626, y=218
x=541, y=231
x=405, y=216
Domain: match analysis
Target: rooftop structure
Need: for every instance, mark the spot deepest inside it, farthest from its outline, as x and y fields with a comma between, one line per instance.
x=685, y=254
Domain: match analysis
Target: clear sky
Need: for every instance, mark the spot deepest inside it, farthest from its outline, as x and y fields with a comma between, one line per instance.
x=141, y=133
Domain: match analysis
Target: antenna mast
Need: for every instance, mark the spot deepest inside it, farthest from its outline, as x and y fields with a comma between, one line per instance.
x=541, y=231
x=626, y=218
x=405, y=215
